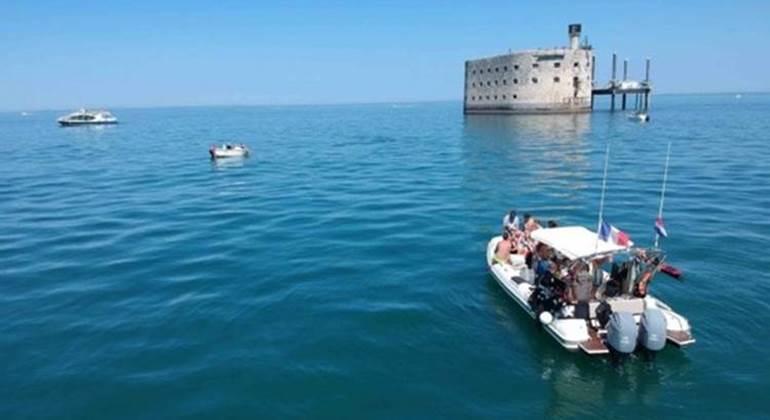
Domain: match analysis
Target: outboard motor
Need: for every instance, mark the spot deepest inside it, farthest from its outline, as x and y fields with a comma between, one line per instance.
x=621, y=334
x=652, y=329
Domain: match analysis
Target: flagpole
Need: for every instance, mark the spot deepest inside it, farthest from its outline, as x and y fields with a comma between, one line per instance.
x=601, y=202
x=663, y=192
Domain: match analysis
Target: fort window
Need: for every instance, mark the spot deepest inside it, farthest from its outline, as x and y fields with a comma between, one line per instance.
x=515, y=96
x=481, y=71
x=534, y=80
x=535, y=65
x=575, y=65
x=504, y=82
x=489, y=83
x=516, y=67
x=473, y=98
x=556, y=79
x=489, y=70
x=515, y=81
x=487, y=97
x=495, y=97
x=495, y=82
x=505, y=68
x=497, y=69
x=557, y=64
x=503, y=96
x=474, y=71
x=473, y=84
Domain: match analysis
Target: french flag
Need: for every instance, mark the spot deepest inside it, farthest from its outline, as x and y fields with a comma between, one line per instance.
x=610, y=233
x=660, y=229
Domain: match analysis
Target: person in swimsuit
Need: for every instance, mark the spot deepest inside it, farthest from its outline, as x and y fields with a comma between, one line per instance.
x=503, y=250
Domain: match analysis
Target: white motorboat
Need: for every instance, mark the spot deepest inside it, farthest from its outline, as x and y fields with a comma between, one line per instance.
x=618, y=318
x=88, y=117
x=228, y=150
x=640, y=117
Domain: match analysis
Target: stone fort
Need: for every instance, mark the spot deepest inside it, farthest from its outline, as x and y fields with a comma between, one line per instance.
x=532, y=81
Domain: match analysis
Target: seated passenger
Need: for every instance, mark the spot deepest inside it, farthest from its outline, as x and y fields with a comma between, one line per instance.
x=503, y=250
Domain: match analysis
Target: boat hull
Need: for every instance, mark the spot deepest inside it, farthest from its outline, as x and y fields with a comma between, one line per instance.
x=78, y=123
x=226, y=154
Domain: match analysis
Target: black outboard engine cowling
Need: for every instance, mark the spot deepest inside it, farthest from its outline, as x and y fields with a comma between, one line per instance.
x=622, y=332
x=652, y=329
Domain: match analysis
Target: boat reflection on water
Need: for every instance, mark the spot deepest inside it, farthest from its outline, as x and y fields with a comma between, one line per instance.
x=556, y=127
x=229, y=163
x=557, y=136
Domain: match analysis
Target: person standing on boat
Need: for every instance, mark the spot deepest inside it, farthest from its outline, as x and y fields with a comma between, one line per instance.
x=511, y=222
x=512, y=226
x=542, y=263
x=581, y=290
x=530, y=225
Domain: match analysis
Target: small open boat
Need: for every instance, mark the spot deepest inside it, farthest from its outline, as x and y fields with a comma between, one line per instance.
x=228, y=150
x=640, y=117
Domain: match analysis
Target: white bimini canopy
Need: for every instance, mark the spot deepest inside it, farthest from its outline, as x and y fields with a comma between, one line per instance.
x=575, y=242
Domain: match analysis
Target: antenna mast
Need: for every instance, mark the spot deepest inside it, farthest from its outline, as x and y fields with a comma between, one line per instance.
x=601, y=202
x=663, y=192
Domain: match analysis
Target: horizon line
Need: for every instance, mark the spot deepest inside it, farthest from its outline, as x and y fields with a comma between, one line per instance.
x=319, y=104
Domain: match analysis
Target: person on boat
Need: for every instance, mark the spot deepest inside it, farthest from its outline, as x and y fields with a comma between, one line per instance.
x=552, y=224
x=503, y=250
x=596, y=271
x=511, y=222
x=581, y=290
x=530, y=225
x=542, y=263
x=650, y=265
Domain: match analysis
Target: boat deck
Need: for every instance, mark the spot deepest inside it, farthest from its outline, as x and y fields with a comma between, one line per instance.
x=680, y=338
x=594, y=345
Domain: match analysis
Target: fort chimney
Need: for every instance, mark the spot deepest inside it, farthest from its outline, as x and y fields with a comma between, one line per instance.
x=574, y=36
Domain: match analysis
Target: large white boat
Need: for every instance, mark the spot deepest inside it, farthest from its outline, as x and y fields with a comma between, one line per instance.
x=620, y=315
x=88, y=117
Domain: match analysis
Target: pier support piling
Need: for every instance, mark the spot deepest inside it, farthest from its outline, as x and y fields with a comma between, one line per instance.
x=647, y=71
x=614, y=80
x=647, y=82
x=625, y=77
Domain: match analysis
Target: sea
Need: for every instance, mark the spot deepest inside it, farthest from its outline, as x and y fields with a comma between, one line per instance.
x=339, y=271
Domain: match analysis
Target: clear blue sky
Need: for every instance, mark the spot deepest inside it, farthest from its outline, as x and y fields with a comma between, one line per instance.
x=64, y=54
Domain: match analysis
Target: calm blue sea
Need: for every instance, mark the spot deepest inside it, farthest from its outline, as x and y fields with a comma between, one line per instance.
x=339, y=272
